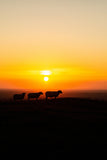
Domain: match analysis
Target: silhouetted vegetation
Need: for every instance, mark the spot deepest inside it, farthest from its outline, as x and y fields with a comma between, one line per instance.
x=60, y=125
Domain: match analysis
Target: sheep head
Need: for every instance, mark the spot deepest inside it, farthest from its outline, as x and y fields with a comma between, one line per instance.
x=59, y=91
x=40, y=93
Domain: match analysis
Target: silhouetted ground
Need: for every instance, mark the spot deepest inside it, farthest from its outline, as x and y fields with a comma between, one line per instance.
x=66, y=125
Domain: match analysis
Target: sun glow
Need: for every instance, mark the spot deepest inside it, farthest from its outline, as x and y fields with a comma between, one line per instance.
x=46, y=79
x=46, y=72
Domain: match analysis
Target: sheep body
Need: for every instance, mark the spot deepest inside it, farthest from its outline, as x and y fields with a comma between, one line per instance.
x=52, y=93
x=19, y=96
x=34, y=95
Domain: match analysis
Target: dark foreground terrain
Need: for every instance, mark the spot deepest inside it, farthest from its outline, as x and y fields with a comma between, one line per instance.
x=66, y=125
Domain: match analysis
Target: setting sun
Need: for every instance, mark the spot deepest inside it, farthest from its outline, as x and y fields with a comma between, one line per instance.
x=46, y=79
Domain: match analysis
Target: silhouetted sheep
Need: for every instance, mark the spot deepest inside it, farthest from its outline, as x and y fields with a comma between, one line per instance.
x=52, y=94
x=34, y=95
x=18, y=96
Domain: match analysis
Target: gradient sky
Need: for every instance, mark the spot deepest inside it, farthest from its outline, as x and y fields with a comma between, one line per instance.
x=67, y=37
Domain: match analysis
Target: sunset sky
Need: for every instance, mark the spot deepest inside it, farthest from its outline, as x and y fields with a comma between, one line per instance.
x=65, y=38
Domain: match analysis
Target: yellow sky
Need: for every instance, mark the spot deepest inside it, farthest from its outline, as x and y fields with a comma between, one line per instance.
x=67, y=37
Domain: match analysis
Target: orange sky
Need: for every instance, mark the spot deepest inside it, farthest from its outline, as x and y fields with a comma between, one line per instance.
x=65, y=37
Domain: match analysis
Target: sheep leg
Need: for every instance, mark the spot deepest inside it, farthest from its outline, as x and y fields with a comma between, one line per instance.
x=46, y=98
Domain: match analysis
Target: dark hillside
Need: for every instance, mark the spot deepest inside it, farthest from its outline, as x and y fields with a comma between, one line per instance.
x=54, y=126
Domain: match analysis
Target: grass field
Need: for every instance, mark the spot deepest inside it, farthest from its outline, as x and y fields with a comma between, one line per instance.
x=56, y=126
